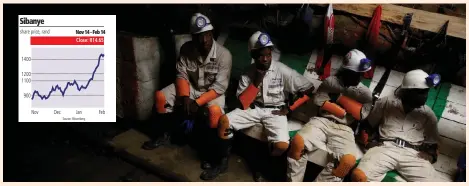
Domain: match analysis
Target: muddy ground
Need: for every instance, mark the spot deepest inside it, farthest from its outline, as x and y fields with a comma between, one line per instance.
x=72, y=152
x=54, y=152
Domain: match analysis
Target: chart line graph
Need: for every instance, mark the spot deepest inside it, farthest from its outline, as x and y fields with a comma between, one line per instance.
x=55, y=79
x=75, y=82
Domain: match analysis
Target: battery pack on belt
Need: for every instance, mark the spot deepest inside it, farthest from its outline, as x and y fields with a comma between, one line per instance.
x=403, y=143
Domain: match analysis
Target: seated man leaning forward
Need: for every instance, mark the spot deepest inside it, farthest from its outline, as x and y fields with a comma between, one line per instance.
x=203, y=73
x=261, y=93
x=342, y=99
x=408, y=133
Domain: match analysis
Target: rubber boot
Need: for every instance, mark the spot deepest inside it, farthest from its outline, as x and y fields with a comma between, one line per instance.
x=206, y=140
x=162, y=130
x=222, y=165
x=155, y=143
x=358, y=175
x=258, y=177
x=205, y=165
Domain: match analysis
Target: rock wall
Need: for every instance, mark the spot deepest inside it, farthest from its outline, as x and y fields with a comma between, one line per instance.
x=138, y=66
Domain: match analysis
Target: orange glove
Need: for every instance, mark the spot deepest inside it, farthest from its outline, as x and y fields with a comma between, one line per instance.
x=351, y=106
x=299, y=102
x=334, y=109
x=206, y=97
x=182, y=87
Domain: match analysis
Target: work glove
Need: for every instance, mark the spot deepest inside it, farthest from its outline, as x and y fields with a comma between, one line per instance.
x=189, y=106
x=193, y=107
x=188, y=125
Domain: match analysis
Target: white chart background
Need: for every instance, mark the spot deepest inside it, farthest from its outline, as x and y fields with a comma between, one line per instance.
x=53, y=65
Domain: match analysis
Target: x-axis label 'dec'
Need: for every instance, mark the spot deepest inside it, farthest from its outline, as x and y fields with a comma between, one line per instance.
x=67, y=40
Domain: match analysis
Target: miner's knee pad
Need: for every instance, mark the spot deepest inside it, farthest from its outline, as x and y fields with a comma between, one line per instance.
x=224, y=130
x=160, y=100
x=297, y=147
x=279, y=148
x=214, y=113
x=358, y=175
x=346, y=163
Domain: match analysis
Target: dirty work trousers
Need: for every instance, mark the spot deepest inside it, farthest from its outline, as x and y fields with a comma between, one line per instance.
x=377, y=161
x=276, y=126
x=322, y=134
x=204, y=138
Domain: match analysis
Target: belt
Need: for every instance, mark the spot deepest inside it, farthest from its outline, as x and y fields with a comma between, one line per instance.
x=276, y=107
x=266, y=106
x=403, y=143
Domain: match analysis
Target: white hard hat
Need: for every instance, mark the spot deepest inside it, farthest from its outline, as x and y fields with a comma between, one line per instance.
x=356, y=61
x=419, y=79
x=200, y=23
x=259, y=40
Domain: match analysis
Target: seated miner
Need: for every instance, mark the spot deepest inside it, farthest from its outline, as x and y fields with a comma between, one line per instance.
x=342, y=99
x=261, y=93
x=408, y=133
x=203, y=73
